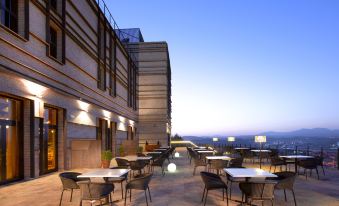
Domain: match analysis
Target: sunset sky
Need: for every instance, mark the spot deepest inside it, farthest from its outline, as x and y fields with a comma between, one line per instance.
x=244, y=67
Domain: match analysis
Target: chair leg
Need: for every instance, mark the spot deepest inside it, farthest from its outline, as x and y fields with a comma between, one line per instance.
x=203, y=194
x=285, y=195
x=125, y=196
x=71, y=195
x=270, y=167
x=149, y=192
x=80, y=202
x=223, y=194
x=122, y=191
x=295, y=202
x=226, y=196
x=146, y=198
x=62, y=193
x=194, y=170
x=130, y=195
x=231, y=191
x=323, y=169
x=110, y=199
x=206, y=197
x=242, y=198
x=316, y=169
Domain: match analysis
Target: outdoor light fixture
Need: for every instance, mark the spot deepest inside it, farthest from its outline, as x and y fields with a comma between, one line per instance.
x=231, y=139
x=176, y=154
x=215, y=139
x=260, y=139
x=171, y=167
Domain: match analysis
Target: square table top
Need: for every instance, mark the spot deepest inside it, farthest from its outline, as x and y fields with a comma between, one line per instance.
x=205, y=151
x=258, y=150
x=160, y=149
x=133, y=158
x=200, y=149
x=164, y=147
x=296, y=156
x=218, y=157
x=105, y=173
x=248, y=172
x=240, y=148
x=153, y=152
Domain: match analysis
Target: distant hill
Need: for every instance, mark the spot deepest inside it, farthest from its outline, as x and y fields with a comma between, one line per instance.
x=315, y=132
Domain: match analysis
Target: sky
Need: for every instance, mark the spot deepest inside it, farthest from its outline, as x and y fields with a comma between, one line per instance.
x=244, y=67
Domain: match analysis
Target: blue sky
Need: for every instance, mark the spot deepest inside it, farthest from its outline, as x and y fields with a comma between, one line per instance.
x=243, y=67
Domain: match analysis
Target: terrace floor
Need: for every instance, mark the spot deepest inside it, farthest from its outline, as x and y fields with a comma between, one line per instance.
x=179, y=189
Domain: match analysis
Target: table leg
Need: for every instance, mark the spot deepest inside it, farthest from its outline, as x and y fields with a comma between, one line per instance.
x=295, y=166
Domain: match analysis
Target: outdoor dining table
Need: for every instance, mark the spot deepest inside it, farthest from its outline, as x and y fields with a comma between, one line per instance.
x=258, y=150
x=104, y=173
x=135, y=158
x=218, y=157
x=153, y=152
x=160, y=149
x=241, y=148
x=248, y=173
x=296, y=157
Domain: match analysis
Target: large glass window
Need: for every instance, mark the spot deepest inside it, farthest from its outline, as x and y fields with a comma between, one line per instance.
x=9, y=14
x=10, y=140
x=53, y=42
x=49, y=141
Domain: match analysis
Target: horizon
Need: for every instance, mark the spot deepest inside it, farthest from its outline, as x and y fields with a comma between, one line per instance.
x=245, y=67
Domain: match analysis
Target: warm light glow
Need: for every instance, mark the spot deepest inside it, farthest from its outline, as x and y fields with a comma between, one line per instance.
x=83, y=118
x=106, y=114
x=231, y=139
x=260, y=139
x=215, y=139
x=83, y=105
x=184, y=142
x=122, y=126
x=131, y=122
x=122, y=119
x=176, y=154
x=33, y=88
x=171, y=167
x=38, y=107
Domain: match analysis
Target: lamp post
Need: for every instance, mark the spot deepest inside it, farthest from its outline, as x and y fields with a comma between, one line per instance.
x=260, y=139
x=215, y=139
x=230, y=139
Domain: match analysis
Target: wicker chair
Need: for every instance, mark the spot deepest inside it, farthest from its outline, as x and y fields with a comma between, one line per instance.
x=159, y=162
x=217, y=165
x=137, y=166
x=69, y=182
x=118, y=180
x=198, y=163
x=95, y=191
x=276, y=161
x=140, y=183
x=257, y=191
x=309, y=164
x=234, y=163
x=213, y=182
x=320, y=162
x=285, y=181
x=122, y=162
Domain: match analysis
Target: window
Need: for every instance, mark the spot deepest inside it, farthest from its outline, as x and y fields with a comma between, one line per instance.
x=54, y=4
x=53, y=42
x=101, y=54
x=9, y=14
x=112, y=78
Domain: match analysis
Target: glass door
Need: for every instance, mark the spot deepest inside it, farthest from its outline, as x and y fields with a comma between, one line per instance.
x=10, y=140
x=49, y=141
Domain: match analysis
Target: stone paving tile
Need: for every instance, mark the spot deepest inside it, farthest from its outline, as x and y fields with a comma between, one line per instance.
x=174, y=189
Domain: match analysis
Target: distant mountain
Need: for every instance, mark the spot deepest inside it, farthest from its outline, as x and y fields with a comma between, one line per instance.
x=315, y=132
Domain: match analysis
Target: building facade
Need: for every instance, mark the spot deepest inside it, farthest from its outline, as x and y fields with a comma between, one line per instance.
x=69, y=88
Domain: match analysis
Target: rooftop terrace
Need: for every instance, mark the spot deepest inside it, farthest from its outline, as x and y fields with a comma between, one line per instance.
x=179, y=188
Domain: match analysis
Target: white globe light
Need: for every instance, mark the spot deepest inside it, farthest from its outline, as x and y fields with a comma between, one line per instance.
x=171, y=167
x=176, y=154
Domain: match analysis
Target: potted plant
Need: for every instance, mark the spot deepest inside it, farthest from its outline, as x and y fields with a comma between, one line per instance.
x=106, y=157
x=121, y=151
x=140, y=149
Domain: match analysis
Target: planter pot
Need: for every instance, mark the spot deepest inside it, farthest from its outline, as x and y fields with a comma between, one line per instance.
x=105, y=163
